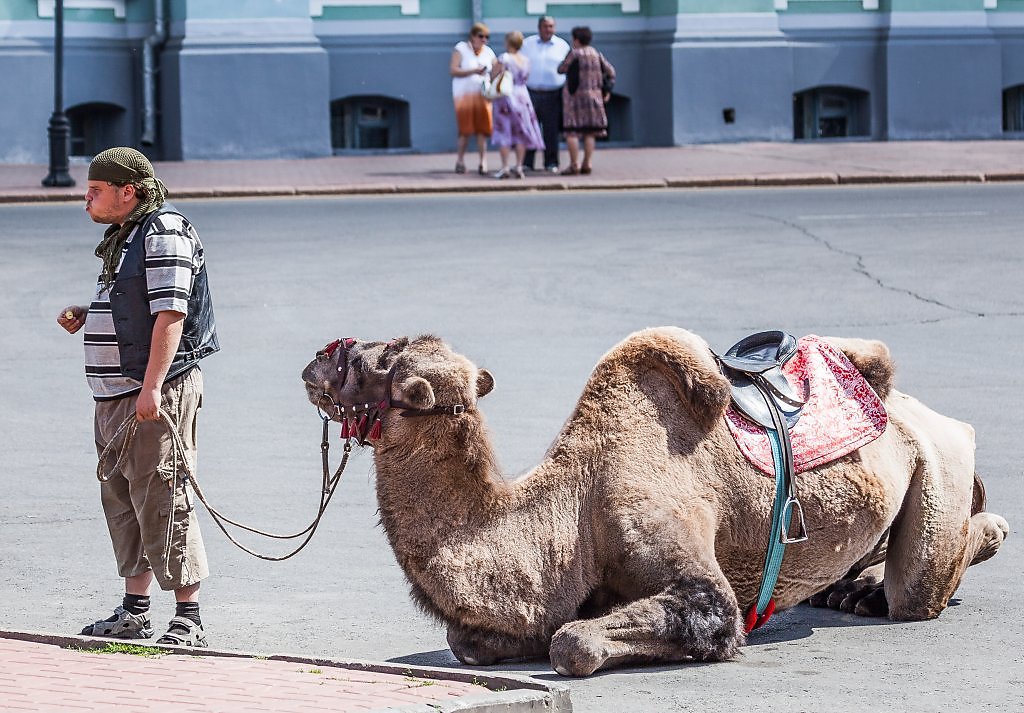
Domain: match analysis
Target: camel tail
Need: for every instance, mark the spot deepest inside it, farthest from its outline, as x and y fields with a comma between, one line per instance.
x=978, y=501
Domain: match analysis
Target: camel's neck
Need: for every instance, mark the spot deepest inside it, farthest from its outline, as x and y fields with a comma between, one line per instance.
x=476, y=548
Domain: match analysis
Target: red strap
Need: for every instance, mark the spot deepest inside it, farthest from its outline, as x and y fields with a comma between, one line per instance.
x=753, y=621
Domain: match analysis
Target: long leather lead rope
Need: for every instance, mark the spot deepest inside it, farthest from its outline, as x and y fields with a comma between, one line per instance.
x=129, y=427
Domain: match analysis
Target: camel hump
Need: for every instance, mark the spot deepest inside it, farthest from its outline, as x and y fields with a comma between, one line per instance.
x=687, y=360
x=872, y=359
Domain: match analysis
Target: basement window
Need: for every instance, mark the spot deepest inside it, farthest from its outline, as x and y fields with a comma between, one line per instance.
x=369, y=123
x=831, y=113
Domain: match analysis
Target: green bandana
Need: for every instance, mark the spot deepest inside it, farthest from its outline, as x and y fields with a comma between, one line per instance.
x=121, y=166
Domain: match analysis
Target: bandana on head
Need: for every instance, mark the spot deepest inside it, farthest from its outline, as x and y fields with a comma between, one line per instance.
x=121, y=166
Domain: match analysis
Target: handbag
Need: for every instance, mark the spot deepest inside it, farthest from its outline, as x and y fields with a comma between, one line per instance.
x=572, y=76
x=500, y=86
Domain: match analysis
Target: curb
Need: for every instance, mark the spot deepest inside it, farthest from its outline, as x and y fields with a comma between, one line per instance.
x=506, y=693
x=773, y=180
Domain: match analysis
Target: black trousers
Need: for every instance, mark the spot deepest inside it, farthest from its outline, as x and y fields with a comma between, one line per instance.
x=548, y=105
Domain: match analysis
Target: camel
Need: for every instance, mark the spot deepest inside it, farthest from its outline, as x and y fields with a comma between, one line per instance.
x=641, y=534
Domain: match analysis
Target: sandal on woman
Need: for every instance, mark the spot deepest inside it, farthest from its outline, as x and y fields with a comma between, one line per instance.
x=184, y=632
x=460, y=167
x=585, y=170
x=570, y=170
x=482, y=169
x=519, y=172
x=505, y=172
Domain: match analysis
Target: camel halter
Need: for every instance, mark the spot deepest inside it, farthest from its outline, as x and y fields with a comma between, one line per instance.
x=356, y=419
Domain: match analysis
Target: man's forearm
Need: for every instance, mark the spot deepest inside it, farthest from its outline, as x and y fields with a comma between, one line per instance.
x=163, y=345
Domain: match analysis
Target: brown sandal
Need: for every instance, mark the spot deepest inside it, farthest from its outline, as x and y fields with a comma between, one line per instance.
x=570, y=170
x=585, y=170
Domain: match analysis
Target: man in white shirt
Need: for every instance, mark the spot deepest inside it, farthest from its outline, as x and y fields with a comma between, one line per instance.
x=546, y=51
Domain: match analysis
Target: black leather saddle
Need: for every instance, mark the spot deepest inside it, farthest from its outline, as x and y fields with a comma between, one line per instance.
x=761, y=392
x=753, y=367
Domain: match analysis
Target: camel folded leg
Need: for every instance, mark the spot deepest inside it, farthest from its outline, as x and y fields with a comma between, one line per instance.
x=936, y=537
x=695, y=618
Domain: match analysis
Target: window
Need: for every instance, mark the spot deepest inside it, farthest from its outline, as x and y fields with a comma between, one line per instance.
x=95, y=127
x=369, y=123
x=1013, y=109
x=831, y=113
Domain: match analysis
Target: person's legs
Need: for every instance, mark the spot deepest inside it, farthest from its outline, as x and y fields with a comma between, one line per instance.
x=588, y=152
x=139, y=584
x=481, y=147
x=131, y=619
x=573, y=142
x=530, y=157
x=460, y=161
x=505, y=171
x=551, y=128
x=520, y=156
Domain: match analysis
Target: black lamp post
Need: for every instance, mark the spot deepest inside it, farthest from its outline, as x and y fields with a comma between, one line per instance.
x=59, y=129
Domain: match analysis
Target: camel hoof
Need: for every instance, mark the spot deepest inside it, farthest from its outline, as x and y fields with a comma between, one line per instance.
x=863, y=597
x=574, y=653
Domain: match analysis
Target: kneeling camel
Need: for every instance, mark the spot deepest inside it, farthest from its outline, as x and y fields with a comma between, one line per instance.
x=641, y=535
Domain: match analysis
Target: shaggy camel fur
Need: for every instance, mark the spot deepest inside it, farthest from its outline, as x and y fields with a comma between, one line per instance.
x=641, y=535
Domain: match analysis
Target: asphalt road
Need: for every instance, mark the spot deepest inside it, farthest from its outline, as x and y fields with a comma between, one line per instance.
x=535, y=288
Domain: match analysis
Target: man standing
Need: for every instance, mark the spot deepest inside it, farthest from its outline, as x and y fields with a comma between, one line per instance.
x=145, y=332
x=546, y=51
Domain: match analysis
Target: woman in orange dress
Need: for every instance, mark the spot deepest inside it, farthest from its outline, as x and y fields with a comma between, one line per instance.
x=470, y=64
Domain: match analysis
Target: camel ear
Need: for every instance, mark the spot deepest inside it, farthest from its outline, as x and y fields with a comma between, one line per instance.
x=484, y=383
x=417, y=392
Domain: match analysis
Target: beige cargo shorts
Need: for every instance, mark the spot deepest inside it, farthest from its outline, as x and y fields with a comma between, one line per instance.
x=137, y=500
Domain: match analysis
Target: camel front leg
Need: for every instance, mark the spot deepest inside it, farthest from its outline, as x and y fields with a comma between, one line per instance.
x=936, y=536
x=695, y=618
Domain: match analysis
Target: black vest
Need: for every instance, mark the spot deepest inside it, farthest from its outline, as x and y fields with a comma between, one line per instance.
x=133, y=324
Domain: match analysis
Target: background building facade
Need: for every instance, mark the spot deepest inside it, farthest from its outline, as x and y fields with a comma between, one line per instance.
x=195, y=79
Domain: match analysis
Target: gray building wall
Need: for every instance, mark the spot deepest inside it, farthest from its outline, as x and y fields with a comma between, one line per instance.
x=262, y=86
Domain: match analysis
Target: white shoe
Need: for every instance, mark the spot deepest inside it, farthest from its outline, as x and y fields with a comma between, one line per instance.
x=505, y=172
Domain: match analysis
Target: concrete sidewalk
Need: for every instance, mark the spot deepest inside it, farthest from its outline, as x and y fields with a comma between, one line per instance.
x=708, y=165
x=40, y=672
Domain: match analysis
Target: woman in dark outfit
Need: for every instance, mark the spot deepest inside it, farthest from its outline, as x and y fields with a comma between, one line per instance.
x=583, y=100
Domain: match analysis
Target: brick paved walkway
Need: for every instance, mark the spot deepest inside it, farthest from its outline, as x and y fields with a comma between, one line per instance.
x=36, y=676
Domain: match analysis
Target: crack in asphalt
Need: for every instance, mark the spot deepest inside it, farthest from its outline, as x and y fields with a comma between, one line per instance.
x=862, y=269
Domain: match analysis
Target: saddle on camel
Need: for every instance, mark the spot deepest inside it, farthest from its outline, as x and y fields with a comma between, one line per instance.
x=654, y=528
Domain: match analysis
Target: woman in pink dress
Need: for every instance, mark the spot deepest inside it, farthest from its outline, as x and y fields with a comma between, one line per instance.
x=515, y=122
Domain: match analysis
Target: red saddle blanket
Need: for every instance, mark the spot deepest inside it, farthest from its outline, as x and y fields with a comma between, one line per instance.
x=842, y=412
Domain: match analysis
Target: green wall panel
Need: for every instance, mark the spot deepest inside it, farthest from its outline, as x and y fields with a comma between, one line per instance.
x=822, y=7
x=725, y=6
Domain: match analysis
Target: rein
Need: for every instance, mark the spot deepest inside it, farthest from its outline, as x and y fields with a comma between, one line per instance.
x=187, y=476
x=355, y=418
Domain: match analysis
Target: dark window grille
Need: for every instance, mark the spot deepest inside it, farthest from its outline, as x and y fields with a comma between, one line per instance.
x=1013, y=109
x=96, y=126
x=369, y=123
x=831, y=113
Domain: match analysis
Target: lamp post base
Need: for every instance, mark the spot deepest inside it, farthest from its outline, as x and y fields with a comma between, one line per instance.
x=59, y=131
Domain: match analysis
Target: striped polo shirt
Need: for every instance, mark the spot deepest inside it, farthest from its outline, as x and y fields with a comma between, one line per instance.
x=174, y=256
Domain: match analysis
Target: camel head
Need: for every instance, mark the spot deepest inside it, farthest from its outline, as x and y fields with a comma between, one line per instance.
x=351, y=378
